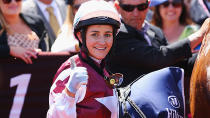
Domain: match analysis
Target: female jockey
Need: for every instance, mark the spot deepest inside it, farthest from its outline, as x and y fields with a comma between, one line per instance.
x=82, y=87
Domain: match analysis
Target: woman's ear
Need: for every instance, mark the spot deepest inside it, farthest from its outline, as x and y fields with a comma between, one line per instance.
x=79, y=36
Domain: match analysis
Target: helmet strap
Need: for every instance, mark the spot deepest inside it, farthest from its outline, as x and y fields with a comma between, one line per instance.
x=83, y=44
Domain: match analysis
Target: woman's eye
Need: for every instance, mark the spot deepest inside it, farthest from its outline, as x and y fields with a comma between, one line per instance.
x=107, y=35
x=95, y=35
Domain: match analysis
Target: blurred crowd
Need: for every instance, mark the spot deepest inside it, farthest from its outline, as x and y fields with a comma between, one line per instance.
x=53, y=18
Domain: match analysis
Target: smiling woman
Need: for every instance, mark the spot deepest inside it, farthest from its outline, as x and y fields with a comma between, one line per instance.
x=173, y=18
x=82, y=85
x=20, y=37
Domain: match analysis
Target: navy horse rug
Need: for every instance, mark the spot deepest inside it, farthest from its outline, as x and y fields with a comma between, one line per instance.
x=159, y=94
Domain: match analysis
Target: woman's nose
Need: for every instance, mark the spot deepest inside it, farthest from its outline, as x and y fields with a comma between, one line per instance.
x=102, y=40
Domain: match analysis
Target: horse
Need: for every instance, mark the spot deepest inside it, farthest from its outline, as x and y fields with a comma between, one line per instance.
x=200, y=81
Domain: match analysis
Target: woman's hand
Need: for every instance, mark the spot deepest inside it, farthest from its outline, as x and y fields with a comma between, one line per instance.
x=78, y=77
x=23, y=53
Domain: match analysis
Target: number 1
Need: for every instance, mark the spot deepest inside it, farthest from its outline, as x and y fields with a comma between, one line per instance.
x=22, y=82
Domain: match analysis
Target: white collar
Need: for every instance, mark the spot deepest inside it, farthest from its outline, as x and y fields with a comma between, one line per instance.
x=43, y=6
x=96, y=60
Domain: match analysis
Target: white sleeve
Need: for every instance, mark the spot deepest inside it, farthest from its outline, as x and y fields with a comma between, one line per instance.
x=64, y=106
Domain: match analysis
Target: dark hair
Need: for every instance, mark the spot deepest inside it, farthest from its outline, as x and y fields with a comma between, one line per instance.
x=184, y=17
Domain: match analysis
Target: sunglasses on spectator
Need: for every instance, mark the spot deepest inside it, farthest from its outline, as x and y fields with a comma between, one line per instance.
x=174, y=4
x=130, y=8
x=8, y=1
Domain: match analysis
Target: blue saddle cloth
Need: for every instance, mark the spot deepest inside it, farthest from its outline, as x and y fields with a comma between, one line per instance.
x=159, y=94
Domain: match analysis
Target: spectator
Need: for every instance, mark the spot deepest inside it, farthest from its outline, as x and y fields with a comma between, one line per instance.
x=83, y=94
x=65, y=40
x=20, y=36
x=141, y=48
x=52, y=12
x=172, y=17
